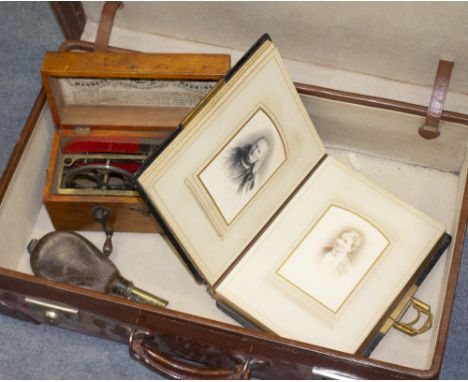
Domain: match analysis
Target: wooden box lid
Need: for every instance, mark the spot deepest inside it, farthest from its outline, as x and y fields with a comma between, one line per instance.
x=127, y=90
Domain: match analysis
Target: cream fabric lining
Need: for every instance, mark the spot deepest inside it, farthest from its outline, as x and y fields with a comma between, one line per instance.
x=387, y=134
x=23, y=199
x=154, y=267
x=301, y=71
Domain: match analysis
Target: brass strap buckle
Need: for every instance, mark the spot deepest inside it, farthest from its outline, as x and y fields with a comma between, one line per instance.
x=409, y=328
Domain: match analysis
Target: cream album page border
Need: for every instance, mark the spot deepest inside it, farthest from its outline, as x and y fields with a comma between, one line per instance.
x=255, y=287
x=265, y=82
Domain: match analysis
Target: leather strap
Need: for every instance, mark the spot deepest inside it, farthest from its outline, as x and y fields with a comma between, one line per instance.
x=430, y=128
x=105, y=24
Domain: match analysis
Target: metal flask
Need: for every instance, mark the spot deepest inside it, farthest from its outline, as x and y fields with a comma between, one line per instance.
x=72, y=259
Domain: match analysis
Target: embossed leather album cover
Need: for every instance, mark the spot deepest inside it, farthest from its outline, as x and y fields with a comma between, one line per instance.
x=284, y=235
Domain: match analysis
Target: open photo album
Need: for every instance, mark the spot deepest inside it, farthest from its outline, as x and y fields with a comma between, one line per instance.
x=284, y=235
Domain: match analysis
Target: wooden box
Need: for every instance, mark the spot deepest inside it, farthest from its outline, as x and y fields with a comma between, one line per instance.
x=376, y=133
x=111, y=110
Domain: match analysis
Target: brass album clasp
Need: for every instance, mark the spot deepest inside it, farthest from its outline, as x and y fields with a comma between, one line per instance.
x=422, y=310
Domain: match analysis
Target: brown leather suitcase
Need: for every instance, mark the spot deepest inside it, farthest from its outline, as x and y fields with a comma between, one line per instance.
x=197, y=341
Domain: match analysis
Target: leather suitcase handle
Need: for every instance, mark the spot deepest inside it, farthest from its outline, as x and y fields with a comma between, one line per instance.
x=177, y=369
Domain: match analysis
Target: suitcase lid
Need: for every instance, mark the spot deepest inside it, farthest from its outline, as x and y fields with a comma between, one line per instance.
x=113, y=90
x=388, y=50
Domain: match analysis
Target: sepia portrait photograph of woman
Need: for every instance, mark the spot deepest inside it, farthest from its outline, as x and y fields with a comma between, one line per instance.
x=337, y=260
x=334, y=256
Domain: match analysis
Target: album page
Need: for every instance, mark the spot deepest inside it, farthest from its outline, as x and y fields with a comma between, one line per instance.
x=332, y=262
x=234, y=163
